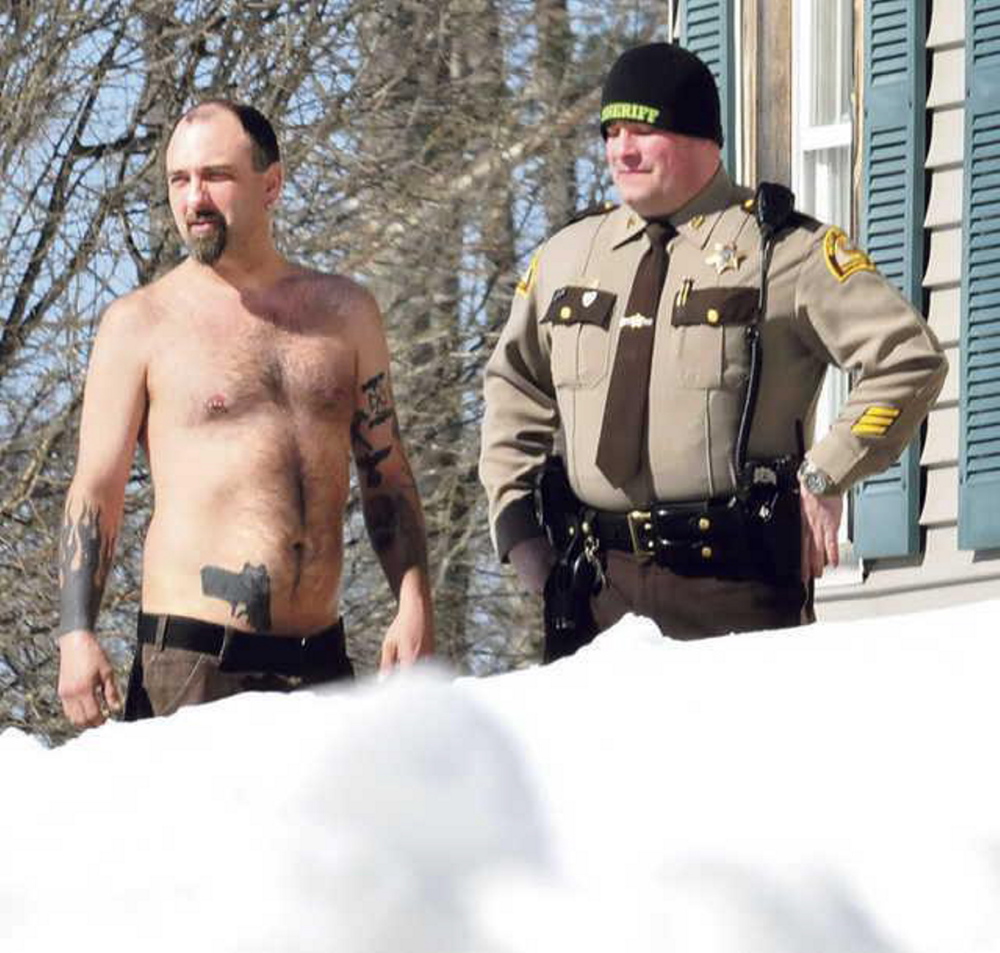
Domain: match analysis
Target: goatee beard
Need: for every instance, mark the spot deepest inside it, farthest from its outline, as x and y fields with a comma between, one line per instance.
x=207, y=249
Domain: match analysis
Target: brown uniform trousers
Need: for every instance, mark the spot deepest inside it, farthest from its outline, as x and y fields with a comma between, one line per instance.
x=546, y=383
x=684, y=607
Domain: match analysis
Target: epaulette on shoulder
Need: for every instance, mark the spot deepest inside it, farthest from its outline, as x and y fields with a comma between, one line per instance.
x=598, y=208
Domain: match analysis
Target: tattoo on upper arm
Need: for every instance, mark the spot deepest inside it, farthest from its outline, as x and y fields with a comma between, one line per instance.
x=248, y=592
x=84, y=561
x=365, y=455
x=376, y=389
x=392, y=522
x=377, y=411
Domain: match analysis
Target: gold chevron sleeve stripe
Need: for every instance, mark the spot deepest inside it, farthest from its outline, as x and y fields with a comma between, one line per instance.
x=875, y=421
x=890, y=412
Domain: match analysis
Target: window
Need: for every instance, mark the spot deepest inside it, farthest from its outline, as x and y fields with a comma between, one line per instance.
x=822, y=138
x=822, y=127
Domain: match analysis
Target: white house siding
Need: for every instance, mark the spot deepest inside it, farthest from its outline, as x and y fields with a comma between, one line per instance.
x=943, y=574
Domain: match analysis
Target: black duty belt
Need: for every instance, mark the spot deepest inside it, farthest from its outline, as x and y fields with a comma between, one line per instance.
x=702, y=536
x=239, y=651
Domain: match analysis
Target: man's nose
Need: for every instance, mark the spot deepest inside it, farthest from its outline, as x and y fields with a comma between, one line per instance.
x=627, y=146
x=195, y=194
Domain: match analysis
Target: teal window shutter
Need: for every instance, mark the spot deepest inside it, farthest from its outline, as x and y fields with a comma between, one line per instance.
x=707, y=30
x=979, y=407
x=886, y=516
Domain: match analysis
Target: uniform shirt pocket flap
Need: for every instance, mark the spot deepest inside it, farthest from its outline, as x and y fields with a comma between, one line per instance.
x=572, y=305
x=717, y=307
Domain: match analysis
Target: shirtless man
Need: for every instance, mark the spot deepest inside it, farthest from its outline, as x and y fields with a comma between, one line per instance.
x=250, y=381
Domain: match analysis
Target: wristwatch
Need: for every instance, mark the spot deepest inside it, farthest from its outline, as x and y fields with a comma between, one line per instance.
x=816, y=481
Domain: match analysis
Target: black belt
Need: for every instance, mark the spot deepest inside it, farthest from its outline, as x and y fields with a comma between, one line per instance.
x=237, y=651
x=704, y=535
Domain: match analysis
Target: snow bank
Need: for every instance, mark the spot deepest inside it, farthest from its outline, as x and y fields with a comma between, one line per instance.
x=829, y=789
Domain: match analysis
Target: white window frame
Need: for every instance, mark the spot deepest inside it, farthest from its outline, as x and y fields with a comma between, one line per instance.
x=809, y=138
x=806, y=137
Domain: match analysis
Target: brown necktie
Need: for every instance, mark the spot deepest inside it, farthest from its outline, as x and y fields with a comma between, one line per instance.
x=619, y=451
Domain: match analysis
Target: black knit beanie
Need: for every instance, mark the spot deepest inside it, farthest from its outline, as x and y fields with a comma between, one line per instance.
x=662, y=85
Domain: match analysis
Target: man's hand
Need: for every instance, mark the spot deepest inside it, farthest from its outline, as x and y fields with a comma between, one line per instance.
x=409, y=638
x=820, y=522
x=533, y=560
x=87, y=684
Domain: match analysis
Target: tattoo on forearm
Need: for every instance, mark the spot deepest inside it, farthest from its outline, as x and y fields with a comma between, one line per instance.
x=395, y=530
x=248, y=592
x=378, y=411
x=84, y=561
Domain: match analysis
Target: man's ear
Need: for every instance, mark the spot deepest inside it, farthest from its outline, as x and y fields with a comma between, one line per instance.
x=274, y=177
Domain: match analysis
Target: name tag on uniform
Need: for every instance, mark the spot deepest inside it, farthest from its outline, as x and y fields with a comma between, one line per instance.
x=576, y=305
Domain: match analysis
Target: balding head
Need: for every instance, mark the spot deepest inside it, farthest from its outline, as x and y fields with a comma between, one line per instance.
x=263, y=141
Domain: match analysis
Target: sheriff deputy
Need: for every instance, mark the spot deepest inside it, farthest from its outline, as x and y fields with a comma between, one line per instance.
x=649, y=400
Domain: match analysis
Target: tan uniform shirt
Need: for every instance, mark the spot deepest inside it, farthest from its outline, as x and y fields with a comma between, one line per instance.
x=547, y=381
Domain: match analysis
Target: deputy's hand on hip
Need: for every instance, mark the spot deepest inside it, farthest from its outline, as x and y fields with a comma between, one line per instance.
x=820, y=523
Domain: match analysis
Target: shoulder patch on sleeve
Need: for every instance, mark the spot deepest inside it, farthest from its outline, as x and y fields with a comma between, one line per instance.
x=842, y=258
x=528, y=279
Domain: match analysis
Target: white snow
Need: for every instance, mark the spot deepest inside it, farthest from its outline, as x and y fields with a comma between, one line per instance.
x=834, y=789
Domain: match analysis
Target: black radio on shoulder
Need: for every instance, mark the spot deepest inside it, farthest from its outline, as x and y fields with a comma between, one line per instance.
x=773, y=206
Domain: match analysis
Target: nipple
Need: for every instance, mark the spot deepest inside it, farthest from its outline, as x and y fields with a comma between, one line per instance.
x=216, y=404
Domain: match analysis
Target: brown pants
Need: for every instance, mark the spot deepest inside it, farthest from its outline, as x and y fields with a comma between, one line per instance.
x=696, y=607
x=164, y=679
x=687, y=607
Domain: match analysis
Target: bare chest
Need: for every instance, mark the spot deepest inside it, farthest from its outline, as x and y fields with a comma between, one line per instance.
x=224, y=371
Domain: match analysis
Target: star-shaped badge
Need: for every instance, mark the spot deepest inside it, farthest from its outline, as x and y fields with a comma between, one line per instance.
x=725, y=258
